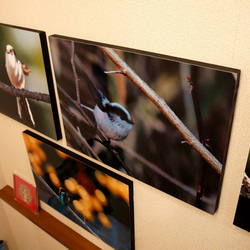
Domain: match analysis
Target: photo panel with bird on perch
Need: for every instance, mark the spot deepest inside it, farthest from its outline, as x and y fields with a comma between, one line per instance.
x=93, y=197
x=165, y=121
x=26, y=85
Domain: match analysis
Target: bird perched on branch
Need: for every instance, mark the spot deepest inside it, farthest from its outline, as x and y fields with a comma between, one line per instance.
x=16, y=71
x=111, y=117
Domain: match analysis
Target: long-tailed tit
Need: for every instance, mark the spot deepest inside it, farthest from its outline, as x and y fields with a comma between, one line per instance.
x=112, y=118
x=16, y=71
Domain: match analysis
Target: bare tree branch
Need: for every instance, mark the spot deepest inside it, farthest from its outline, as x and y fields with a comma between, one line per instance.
x=25, y=93
x=163, y=107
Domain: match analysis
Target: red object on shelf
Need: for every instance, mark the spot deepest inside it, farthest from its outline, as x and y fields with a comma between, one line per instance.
x=26, y=193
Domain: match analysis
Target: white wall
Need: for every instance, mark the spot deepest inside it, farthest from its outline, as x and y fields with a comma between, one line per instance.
x=208, y=31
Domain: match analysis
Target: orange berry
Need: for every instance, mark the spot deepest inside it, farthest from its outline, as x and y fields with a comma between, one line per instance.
x=104, y=220
x=54, y=179
x=100, y=177
x=61, y=154
x=96, y=204
x=82, y=192
x=71, y=185
x=101, y=197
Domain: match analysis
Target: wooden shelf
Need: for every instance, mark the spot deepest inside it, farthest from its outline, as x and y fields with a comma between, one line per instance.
x=62, y=233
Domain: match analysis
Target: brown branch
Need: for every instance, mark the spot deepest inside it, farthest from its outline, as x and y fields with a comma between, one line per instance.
x=163, y=107
x=25, y=93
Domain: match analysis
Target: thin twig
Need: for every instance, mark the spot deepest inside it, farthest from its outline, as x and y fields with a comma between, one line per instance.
x=72, y=60
x=78, y=107
x=196, y=103
x=197, y=108
x=113, y=72
x=79, y=138
x=164, y=108
x=25, y=93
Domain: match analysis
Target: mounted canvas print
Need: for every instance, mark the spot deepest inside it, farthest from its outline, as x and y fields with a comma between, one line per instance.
x=242, y=216
x=98, y=200
x=26, y=85
x=162, y=120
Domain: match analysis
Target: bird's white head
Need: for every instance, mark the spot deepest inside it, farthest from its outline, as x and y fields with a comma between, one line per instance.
x=9, y=49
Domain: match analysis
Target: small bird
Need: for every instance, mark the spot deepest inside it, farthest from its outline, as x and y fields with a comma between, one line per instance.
x=16, y=71
x=112, y=118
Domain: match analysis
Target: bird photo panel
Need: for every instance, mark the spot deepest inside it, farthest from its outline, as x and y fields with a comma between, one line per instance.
x=26, y=85
x=96, y=199
x=165, y=121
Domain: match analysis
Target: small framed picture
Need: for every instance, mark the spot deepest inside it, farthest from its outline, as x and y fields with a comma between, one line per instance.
x=163, y=120
x=25, y=193
x=95, y=198
x=26, y=86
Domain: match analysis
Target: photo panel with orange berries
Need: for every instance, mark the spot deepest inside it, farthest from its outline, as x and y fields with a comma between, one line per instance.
x=95, y=198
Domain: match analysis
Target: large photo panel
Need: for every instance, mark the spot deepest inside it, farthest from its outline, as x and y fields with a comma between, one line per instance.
x=162, y=120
